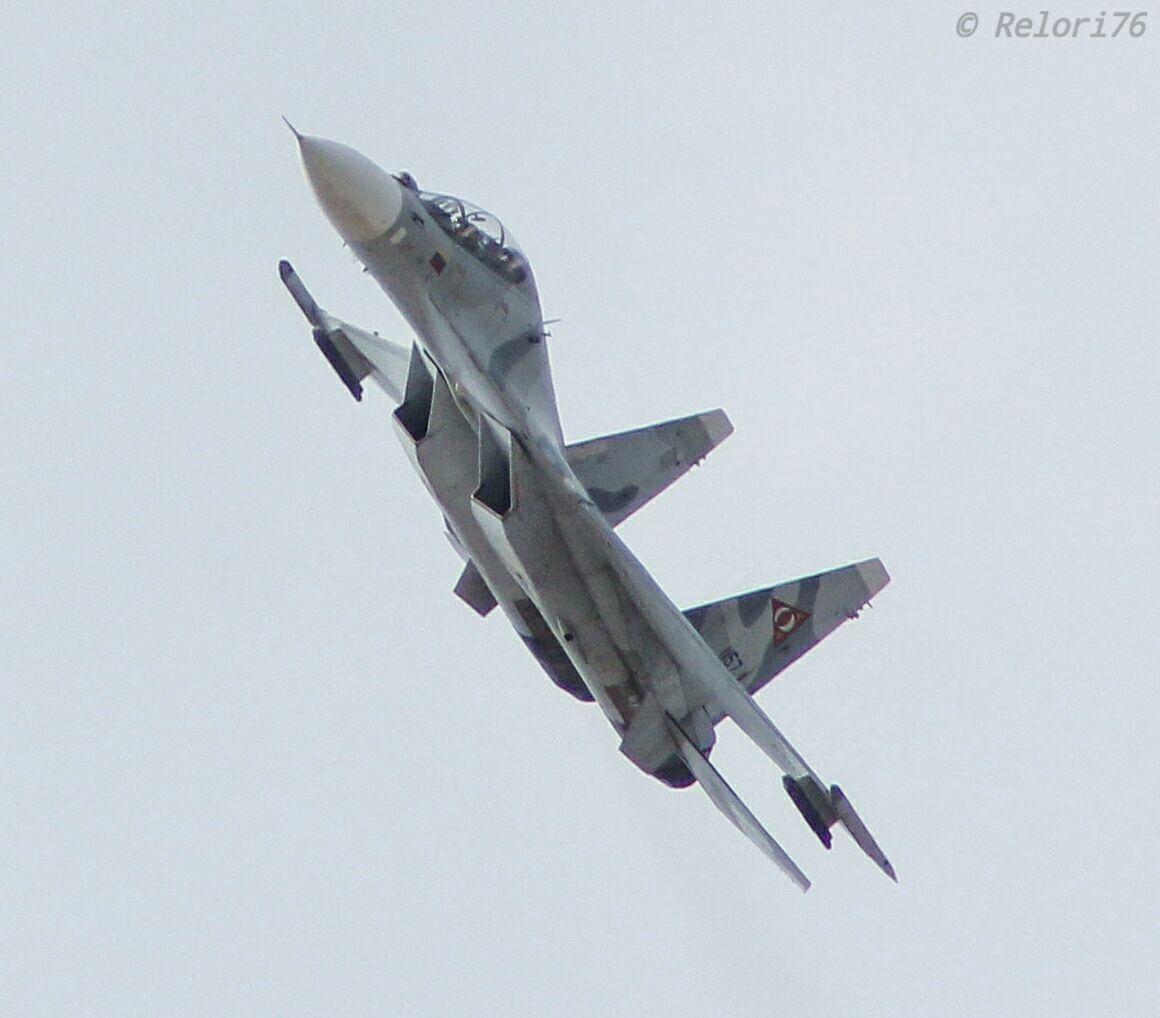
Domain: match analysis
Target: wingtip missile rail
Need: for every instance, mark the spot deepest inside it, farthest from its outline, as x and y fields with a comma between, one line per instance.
x=822, y=809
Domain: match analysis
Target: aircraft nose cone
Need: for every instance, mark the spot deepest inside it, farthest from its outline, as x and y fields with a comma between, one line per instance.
x=360, y=199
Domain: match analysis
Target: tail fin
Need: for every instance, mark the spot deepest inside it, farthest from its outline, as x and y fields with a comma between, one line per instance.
x=624, y=471
x=757, y=635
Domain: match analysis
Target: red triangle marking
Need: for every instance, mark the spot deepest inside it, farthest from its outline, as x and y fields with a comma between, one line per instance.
x=786, y=620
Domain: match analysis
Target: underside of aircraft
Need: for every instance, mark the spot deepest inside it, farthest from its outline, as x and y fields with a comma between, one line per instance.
x=534, y=518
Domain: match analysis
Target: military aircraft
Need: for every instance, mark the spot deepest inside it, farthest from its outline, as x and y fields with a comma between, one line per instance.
x=534, y=517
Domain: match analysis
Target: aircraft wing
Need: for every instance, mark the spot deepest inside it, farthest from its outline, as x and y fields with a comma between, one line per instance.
x=354, y=353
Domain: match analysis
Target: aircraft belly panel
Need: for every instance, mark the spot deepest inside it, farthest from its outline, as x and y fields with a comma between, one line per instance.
x=444, y=456
x=530, y=549
x=564, y=573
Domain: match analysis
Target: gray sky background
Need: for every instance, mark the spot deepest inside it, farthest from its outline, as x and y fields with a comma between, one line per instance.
x=255, y=758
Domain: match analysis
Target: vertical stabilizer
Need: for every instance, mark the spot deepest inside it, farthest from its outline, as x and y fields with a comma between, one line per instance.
x=623, y=472
x=761, y=633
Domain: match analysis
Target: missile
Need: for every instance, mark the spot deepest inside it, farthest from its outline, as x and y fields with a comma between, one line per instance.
x=821, y=810
x=810, y=799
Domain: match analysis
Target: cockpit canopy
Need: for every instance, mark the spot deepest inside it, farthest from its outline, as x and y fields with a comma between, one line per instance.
x=479, y=233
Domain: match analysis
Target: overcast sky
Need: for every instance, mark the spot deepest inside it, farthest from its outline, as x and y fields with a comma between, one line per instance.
x=256, y=759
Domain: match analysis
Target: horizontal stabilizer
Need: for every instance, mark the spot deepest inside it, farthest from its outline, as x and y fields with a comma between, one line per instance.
x=730, y=804
x=757, y=635
x=624, y=471
x=354, y=353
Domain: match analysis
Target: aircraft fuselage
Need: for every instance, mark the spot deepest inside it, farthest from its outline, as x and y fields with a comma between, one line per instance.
x=578, y=597
x=477, y=417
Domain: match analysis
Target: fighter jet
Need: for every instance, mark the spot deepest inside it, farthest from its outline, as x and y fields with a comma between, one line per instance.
x=534, y=517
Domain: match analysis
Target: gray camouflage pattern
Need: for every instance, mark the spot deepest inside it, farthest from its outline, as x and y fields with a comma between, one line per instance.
x=743, y=633
x=533, y=518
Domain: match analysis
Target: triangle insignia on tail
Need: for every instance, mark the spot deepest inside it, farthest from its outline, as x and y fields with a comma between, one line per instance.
x=786, y=620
